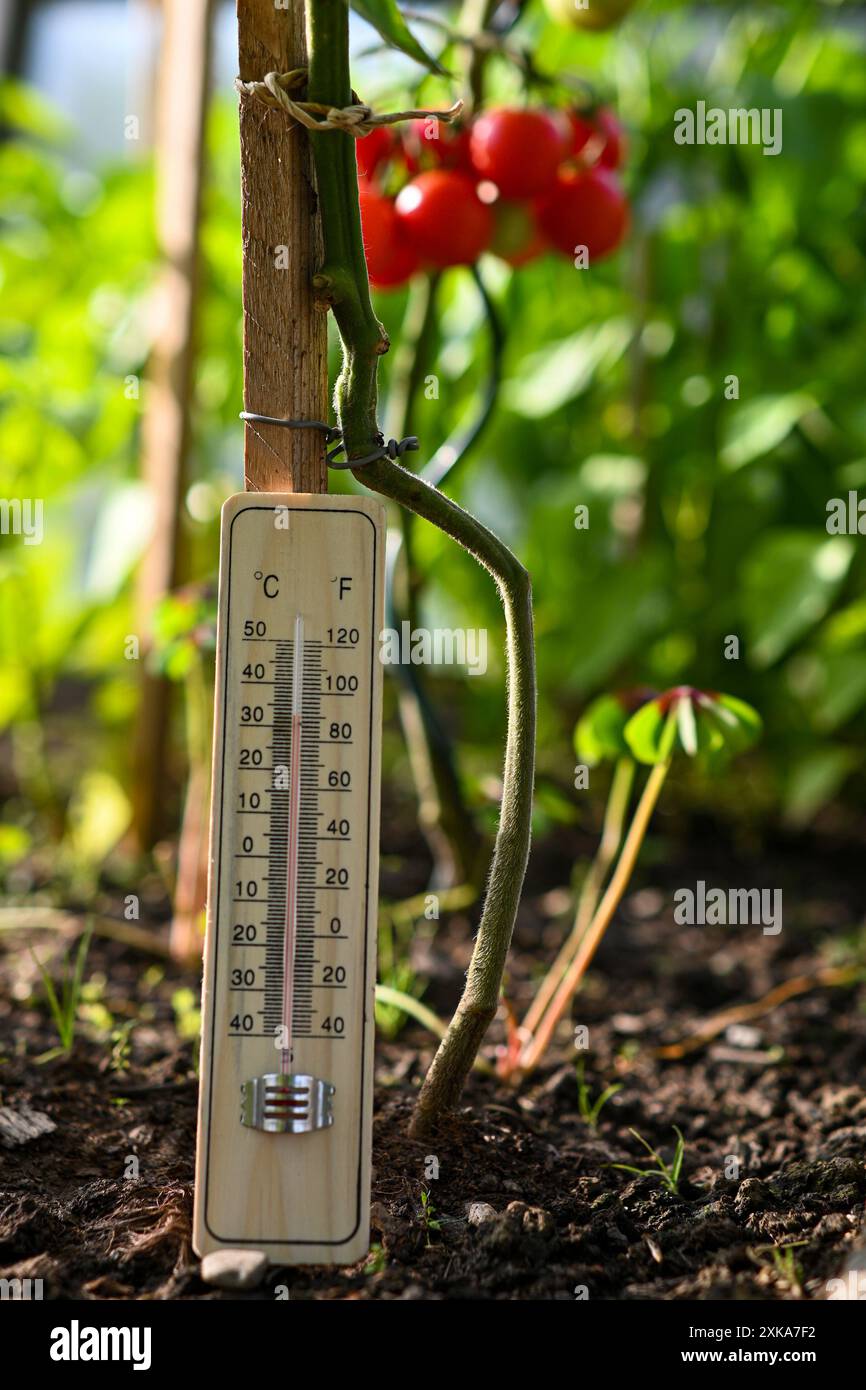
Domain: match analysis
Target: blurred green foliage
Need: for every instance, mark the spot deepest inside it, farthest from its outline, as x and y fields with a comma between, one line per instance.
x=707, y=514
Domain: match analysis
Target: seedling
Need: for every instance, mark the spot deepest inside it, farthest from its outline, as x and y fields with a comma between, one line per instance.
x=121, y=1046
x=786, y=1266
x=668, y=1175
x=64, y=1006
x=426, y=1216
x=634, y=728
x=376, y=1260
x=591, y=1109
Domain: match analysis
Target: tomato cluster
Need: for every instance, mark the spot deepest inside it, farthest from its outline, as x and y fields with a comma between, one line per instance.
x=516, y=181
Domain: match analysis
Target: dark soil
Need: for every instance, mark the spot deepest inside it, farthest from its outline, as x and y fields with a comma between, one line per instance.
x=526, y=1203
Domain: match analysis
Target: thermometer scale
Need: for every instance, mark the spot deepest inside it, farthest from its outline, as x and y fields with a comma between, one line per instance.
x=285, y=1107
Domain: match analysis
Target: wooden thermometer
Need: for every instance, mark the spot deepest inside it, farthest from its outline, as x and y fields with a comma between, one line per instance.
x=287, y=1043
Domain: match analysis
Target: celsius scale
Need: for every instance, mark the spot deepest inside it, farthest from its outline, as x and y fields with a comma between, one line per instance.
x=285, y=1111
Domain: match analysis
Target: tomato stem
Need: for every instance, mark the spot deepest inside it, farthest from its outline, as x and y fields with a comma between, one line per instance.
x=343, y=286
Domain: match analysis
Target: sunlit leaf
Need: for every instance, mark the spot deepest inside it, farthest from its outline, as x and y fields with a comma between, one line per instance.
x=699, y=723
x=387, y=20
x=99, y=814
x=789, y=582
x=600, y=732
x=756, y=427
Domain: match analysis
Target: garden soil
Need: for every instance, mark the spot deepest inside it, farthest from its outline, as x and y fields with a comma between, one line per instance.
x=525, y=1198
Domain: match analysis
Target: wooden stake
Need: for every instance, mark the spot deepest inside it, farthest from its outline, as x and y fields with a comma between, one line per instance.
x=183, y=86
x=285, y=334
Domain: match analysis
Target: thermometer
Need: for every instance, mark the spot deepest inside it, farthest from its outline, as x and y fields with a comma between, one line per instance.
x=285, y=1109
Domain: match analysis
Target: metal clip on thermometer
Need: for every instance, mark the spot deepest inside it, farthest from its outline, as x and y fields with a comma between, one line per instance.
x=286, y=1078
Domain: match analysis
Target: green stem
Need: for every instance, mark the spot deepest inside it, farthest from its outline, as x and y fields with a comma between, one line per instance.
x=455, y=449
x=408, y=1004
x=343, y=283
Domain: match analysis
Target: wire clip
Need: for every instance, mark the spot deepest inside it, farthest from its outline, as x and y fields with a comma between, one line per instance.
x=390, y=450
x=329, y=431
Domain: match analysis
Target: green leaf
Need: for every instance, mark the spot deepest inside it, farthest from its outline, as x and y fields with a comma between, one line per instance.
x=742, y=728
x=814, y=780
x=789, y=582
x=711, y=728
x=387, y=20
x=99, y=814
x=760, y=426
x=552, y=377
x=651, y=733
x=599, y=734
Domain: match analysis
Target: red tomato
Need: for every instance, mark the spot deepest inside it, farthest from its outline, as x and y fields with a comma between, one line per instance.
x=599, y=139
x=373, y=149
x=516, y=237
x=586, y=208
x=428, y=143
x=519, y=150
x=390, y=258
x=444, y=219
x=615, y=147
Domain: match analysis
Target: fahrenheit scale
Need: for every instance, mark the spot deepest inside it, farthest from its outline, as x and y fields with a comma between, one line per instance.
x=285, y=1112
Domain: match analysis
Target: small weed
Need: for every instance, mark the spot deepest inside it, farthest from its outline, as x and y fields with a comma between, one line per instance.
x=376, y=1260
x=187, y=1020
x=589, y=1109
x=121, y=1046
x=786, y=1266
x=64, y=1006
x=670, y=1176
x=426, y=1216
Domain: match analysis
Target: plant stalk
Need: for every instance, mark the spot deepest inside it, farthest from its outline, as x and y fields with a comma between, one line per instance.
x=611, y=839
x=600, y=922
x=343, y=285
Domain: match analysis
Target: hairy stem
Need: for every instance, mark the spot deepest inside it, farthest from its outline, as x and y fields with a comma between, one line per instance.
x=611, y=839
x=600, y=922
x=344, y=286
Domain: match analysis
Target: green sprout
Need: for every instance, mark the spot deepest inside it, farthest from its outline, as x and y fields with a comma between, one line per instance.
x=429, y=1221
x=589, y=1109
x=670, y=1176
x=64, y=1006
x=787, y=1265
x=376, y=1260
